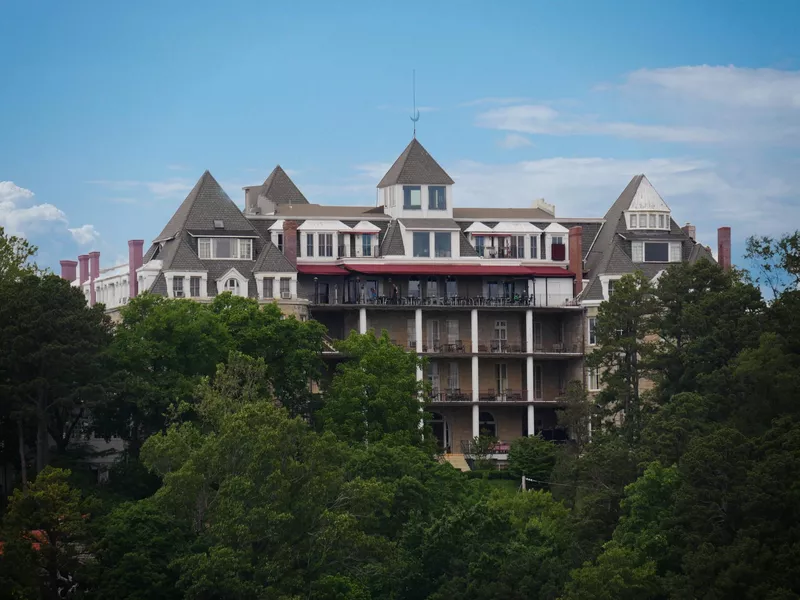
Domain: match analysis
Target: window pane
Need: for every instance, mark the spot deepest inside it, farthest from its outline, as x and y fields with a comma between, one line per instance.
x=284, y=286
x=413, y=288
x=534, y=245
x=452, y=288
x=656, y=252
x=442, y=243
x=634, y=223
x=268, y=291
x=480, y=245
x=366, y=245
x=204, y=248
x=436, y=198
x=246, y=249
x=279, y=239
x=194, y=287
x=412, y=196
x=222, y=248
x=177, y=287
x=422, y=243
x=610, y=288
x=661, y=221
x=652, y=221
x=309, y=244
x=592, y=331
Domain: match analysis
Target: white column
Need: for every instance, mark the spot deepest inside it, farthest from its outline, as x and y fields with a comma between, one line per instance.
x=474, y=329
x=529, y=368
x=475, y=379
x=476, y=421
x=529, y=330
x=362, y=320
x=346, y=243
x=530, y=420
x=418, y=329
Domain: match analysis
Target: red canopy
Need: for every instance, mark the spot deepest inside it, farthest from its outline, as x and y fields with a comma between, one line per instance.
x=450, y=269
x=321, y=270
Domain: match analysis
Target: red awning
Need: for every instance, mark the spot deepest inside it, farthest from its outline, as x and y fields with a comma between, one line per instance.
x=450, y=269
x=322, y=270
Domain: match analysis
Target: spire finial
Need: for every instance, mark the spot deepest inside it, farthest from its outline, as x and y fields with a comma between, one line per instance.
x=415, y=113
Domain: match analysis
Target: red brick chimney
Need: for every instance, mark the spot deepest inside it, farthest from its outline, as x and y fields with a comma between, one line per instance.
x=83, y=261
x=290, y=241
x=94, y=273
x=690, y=230
x=576, y=257
x=134, y=262
x=724, y=247
x=68, y=269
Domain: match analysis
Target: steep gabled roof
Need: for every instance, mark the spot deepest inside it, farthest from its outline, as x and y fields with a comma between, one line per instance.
x=278, y=188
x=179, y=256
x=416, y=167
x=205, y=204
x=272, y=260
x=392, y=244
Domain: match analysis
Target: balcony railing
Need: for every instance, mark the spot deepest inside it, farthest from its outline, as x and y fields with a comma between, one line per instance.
x=451, y=395
x=522, y=300
x=468, y=448
x=439, y=395
x=493, y=347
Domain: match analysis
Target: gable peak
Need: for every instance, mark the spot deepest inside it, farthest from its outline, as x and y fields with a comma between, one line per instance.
x=415, y=166
x=646, y=197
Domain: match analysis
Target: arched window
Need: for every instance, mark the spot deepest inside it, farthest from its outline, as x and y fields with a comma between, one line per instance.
x=232, y=285
x=487, y=425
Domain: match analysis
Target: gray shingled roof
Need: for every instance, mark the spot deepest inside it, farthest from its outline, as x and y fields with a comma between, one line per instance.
x=415, y=167
x=272, y=260
x=466, y=248
x=278, y=188
x=594, y=291
x=430, y=224
x=499, y=213
x=619, y=263
x=699, y=252
x=206, y=203
x=392, y=244
x=179, y=256
x=159, y=285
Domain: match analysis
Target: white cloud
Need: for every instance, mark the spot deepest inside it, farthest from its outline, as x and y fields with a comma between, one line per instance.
x=539, y=119
x=499, y=101
x=161, y=189
x=85, y=234
x=19, y=217
x=728, y=85
x=513, y=141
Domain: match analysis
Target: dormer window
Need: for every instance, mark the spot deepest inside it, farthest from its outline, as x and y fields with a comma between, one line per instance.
x=436, y=197
x=634, y=221
x=648, y=220
x=412, y=197
x=232, y=286
x=241, y=249
x=218, y=224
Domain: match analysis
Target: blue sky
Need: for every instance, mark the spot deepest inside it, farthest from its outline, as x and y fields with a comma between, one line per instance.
x=110, y=111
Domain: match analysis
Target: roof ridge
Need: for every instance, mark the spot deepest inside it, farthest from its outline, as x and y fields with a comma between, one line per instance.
x=415, y=165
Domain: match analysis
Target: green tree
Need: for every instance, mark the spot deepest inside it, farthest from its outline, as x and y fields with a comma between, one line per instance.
x=624, y=326
x=53, y=369
x=15, y=257
x=776, y=261
x=48, y=513
x=375, y=393
x=575, y=415
x=533, y=457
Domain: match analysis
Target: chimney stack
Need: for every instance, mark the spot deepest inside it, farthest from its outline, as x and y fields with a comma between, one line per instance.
x=690, y=230
x=724, y=247
x=83, y=261
x=134, y=262
x=94, y=273
x=68, y=269
x=290, y=241
x=576, y=257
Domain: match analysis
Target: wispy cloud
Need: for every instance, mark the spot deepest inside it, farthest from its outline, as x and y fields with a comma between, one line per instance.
x=544, y=120
x=496, y=100
x=161, y=189
x=85, y=234
x=513, y=141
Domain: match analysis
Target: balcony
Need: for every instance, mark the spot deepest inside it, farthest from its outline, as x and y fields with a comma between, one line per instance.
x=416, y=301
x=506, y=396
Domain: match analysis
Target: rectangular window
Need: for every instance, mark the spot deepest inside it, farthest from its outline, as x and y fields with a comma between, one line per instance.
x=412, y=197
x=286, y=291
x=652, y=221
x=204, y=247
x=309, y=244
x=422, y=244
x=501, y=377
x=492, y=289
x=453, y=378
x=433, y=335
x=223, y=248
x=452, y=331
x=675, y=254
x=634, y=223
x=637, y=252
x=610, y=287
x=246, y=249
x=436, y=199
x=537, y=382
x=517, y=246
x=268, y=287
x=411, y=333
x=452, y=288
x=656, y=252
x=413, y=288
x=557, y=239
x=441, y=240
x=593, y=382
x=534, y=245
x=592, y=331
x=194, y=287
x=366, y=245
x=177, y=287
x=661, y=222
x=326, y=244
x=432, y=288
x=480, y=245
x=279, y=241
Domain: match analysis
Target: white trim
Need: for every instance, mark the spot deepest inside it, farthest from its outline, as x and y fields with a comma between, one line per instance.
x=331, y=226
x=187, y=275
x=518, y=227
x=276, y=284
x=365, y=227
x=604, y=279
x=478, y=227
x=233, y=273
x=556, y=228
x=277, y=225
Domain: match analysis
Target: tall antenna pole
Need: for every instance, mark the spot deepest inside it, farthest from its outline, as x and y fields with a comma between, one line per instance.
x=415, y=113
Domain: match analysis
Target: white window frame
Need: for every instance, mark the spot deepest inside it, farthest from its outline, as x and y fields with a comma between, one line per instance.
x=178, y=290
x=644, y=252
x=592, y=380
x=591, y=330
x=242, y=248
x=634, y=221
x=222, y=283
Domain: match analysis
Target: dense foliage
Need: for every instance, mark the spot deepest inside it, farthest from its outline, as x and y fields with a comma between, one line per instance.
x=238, y=483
